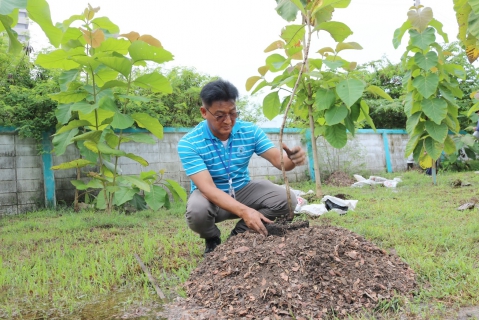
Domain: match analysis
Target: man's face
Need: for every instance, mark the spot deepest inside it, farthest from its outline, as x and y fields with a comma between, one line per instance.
x=221, y=117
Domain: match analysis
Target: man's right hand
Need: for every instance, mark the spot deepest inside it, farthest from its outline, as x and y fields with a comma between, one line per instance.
x=254, y=220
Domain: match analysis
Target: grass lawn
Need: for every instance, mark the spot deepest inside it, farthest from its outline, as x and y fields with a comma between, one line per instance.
x=61, y=264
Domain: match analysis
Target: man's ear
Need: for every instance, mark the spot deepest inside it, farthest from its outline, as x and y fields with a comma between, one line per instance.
x=203, y=112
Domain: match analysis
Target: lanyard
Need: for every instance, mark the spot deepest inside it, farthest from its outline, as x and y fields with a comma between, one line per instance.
x=230, y=181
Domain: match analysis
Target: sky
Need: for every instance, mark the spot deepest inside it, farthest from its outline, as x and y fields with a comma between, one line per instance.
x=227, y=38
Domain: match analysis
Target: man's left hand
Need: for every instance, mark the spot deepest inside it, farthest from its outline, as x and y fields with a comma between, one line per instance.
x=295, y=154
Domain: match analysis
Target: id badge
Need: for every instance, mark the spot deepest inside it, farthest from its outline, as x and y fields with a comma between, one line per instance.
x=232, y=190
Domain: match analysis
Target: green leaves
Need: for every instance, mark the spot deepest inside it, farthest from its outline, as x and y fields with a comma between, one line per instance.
x=435, y=109
x=324, y=98
x=271, y=105
x=350, y=90
x=335, y=115
x=399, y=33
x=426, y=85
x=7, y=6
x=156, y=197
x=59, y=59
x=420, y=18
x=424, y=39
x=433, y=148
x=336, y=135
x=426, y=62
x=437, y=131
x=287, y=9
x=338, y=30
x=155, y=81
x=79, y=163
x=141, y=51
x=151, y=124
x=276, y=62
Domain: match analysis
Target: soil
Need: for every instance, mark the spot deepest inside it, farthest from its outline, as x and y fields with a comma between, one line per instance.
x=311, y=273
x=339, y=179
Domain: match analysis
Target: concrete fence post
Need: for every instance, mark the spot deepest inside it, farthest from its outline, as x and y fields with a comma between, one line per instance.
x=48, y=175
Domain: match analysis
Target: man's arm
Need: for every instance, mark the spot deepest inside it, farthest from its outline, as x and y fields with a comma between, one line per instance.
x=296, y=157
x=251, y=217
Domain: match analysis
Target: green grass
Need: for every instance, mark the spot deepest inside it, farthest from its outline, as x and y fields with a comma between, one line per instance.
x=58, y=263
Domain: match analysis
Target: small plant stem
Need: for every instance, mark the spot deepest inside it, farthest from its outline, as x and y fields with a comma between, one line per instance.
x=150, y=277
x=317, y=175
x=281, y=154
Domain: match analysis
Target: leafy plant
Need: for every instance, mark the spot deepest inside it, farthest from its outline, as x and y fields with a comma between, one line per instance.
x=325, y=91
x=94, y=62
x=432, y=87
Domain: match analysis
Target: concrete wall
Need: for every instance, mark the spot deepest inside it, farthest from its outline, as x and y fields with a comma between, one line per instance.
x=21, y=176
x=26, y=180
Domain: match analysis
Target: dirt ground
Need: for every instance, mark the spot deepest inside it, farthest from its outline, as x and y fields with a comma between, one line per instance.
x=309, y=273
x=340, y=179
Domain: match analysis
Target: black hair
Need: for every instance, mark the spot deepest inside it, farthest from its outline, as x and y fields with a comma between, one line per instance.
x=218, y=90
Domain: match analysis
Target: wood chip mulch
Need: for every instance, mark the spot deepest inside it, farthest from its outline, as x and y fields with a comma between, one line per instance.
x=310, y=273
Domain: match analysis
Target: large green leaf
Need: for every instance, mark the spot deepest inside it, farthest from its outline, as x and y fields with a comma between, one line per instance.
x=93, y=136
x=348, y=45
x=399, y=33
x=14, y=46
x=156, y=197
x=123, y=195
x=335, y=115
x=84, y=107
x=325, y=98
x=336, y=135
x=379, y=92
x=151, y=124
x=433, y=148
x=424, y=39
x=79, y=163
x=105, y=23
x=287, y=9
x=426, y=85
x=437, y=131
x=105, y=149
x=411, y=144
x=73, y=124
x=271, y=105
x=121, y=121
x=114, y=45
x=438, y=26
x=449, y=145
x=365, y=113
x=412, y=122
x=66, y=77
x=120, y=64
x=62, y=141
x=39, y=11
x=68, y=96
x=142, y=51
x=63, y=113
x=293, y=34
x=155, y=81
x=350, y=90
x=138, y=159
x=176, y=188
x=338, y=30
x=473, y=24
x=141, y=138
x=276, y=62
x=435, y=109
x=59, y=59
x=420, y=17
x=426, y=62
x=7, y=6
x=87, y=153
x=137, y=182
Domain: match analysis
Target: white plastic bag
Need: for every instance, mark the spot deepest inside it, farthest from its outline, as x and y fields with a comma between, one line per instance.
x=314, y=210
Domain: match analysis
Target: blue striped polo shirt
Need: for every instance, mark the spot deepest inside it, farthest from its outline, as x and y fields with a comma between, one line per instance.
x=197, y=153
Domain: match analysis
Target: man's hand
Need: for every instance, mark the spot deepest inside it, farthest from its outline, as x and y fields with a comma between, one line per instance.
x=254, y=220
x=296, y=154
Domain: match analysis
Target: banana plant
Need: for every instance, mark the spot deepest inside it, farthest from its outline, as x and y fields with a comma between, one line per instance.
x=325, y=91
x=96, y=62
x=432, y=87
x=467, y=16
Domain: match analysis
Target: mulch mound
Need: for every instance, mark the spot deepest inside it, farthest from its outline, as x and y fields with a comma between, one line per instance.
x=311, y=273
x=340, y=179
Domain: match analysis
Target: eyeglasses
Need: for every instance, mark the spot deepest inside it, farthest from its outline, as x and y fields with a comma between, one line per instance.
x=222, y=118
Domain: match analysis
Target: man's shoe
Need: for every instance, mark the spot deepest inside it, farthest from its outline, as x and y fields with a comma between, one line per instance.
x=211, y=244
